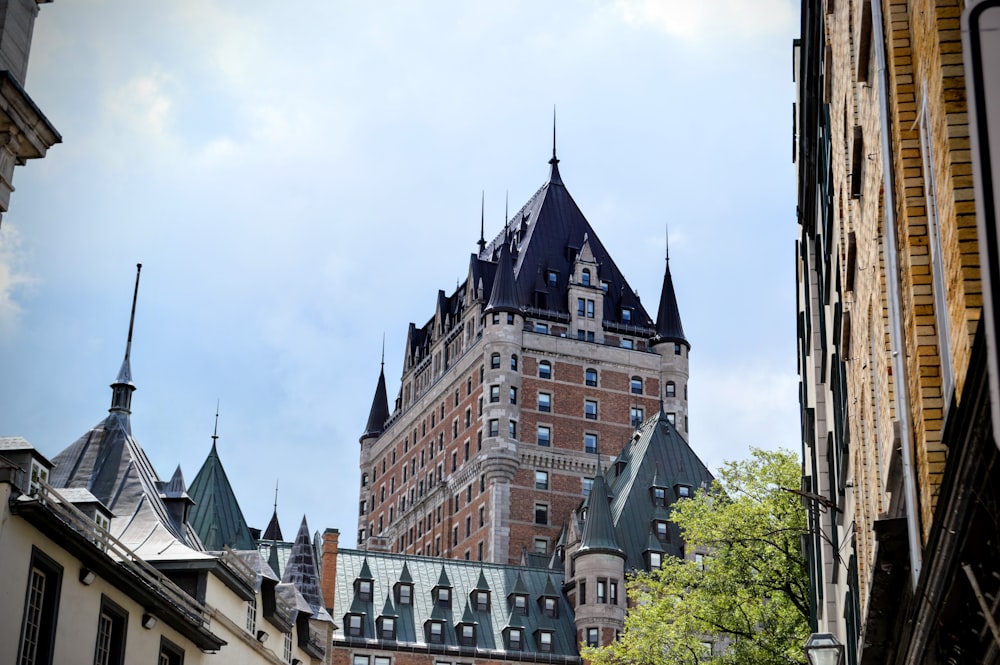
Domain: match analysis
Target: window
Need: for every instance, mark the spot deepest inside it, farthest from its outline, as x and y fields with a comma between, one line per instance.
x=636, y=415
x=613, y=592
x=626, y=315
x=590, y=310
x=655, y=559
x=494, y=427
x=482, y=516
x=590, y=409
x=404, y=594
x=602, y=591
x=41, y=606
x=521, y=604
x=589, y=443
x=604, y=285
x=512, y=429
x=635, y=385
x=585, y=277
x=671, y=389
x=354, y=626
x=545, y=370
x=677, y=349
x=495, y=361
x=541, y=513
x=442, y=596
x=550, y=607
x=467, y=635
x=170, y=653
x=545, y=402
x=382, y=660
x=659, y=497
x=541, y=480
x=513, y=395
x=252, y=616
x=628, y=343
x=111, y=625
x=481, y=600
x=552, y=277
x=662, y=530
x=583, y=593
x=435, y=632
x=683, y=491
x=593, y=637
x=494, y=394
x=588, y=484
x=513, y=362
x=580, y=304
x=387, y=628
x=515, y=639
x=541, y=545
x=672, y=418
x=545, y=641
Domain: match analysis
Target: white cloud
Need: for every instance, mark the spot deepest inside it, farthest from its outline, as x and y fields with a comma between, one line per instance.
x=142, y=103
x=711, y=21
x=12, y=277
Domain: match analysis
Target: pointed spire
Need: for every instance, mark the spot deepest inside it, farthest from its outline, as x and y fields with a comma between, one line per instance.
x=216, y=515
x=379, y=412
x=503, y=297
x=554, y=176
x=215, y=432
x=599, y=530
x=122, y=388
x=668, y=317
x=302, y=571
x=273, y=530
x=482, y=223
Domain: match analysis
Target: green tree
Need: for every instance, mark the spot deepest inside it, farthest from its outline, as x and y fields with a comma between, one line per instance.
x=747, y=594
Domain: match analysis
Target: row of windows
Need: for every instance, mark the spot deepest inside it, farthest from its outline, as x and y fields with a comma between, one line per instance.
x=606, y=592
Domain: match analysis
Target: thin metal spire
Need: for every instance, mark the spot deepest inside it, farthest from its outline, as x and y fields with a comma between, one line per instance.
x=215, y=433
x=121, y=389
x=506, y=208
x=383, y=351
x=482, y=223
x=275, y=497
x=131, y=320
x=666, y=238
x=554, y=160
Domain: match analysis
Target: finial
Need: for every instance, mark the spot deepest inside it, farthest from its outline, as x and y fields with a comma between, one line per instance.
x=131, y=320
x=666, y=244
x=554, y=160
x=506, y=207
x=482, y=223
x=383, y=351
x=215, y=433
x=275, y=497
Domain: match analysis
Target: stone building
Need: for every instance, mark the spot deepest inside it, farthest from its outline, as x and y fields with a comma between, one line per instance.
x=891, y=357
x=534, y=370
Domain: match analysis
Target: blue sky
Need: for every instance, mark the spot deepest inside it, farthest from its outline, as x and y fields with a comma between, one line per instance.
x=299, y=179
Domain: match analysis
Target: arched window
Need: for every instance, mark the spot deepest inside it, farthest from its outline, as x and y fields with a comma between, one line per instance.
x=591, y=377
x=495, y=361
x=671, y=389
x=585, y=277
x=635, y=385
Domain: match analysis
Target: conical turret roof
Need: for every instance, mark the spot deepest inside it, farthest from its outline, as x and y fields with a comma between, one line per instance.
x=504, y=298
x=379, y=412
x=668, y=316
x=599, y=530
x=216, y=515
x=302, y=571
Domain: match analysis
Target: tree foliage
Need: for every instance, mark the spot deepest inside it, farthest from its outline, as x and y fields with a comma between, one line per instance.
x=748, y=596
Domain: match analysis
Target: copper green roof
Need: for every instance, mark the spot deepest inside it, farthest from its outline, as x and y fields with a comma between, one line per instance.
x=598, y=529
x=216, y=515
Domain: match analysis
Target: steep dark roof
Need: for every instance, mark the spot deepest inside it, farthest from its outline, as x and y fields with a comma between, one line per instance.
x=658, y=455
x=503, y=297
x=302, y=571
x=598, y=529
x=668, y=317
x=216, y=514
x=273, y=530
x=380, y=409
x=463, y=577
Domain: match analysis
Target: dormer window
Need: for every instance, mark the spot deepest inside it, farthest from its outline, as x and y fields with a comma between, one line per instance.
x=662, y=529
x=552, y=277
x=515, y=639
x=364, y=590
x=683, y=491
x=654, y=560
x=354, y=625
x=544, y=638
x=39, y=474
x=521, y=604
x=626, y=315
x=550, y=606
x=585, y=277
x=386, y=628
x=481, y=600
x=435, y=632
x=442, y=597
x=467, y=634
x=404, y=594
x=605, y=285
x=659, y=495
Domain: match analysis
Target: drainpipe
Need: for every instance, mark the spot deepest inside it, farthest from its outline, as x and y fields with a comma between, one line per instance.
x=902, y=396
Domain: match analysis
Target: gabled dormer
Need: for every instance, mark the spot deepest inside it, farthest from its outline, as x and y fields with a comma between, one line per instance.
x=548, y=602
x=585, y=298
x=442, y=592
x=435, y=625
x=364, y=584
x=465, y=630
x=385, y=624
x=354, y=619
x=480, y=596
x=403, y=589
x=513, y=632
x=517, y=599
x=658, y=492
x=653, y=555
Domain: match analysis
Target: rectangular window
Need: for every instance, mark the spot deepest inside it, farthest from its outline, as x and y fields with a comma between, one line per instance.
x=550, y=607
x=512, y=429
x=541, y=513
x=354, y=626
x=252, y=616
x=494, y=427
x=582, y=599
x=541, y=480
x=468, y=527
x=544, y=435
x=544, y=370
x=589, y=443
x=590, y=409
x=544, y=402
x=38, y=625
x=404, y=594
x=111, y=627
x=170, y=653
x=513, y=395
x=542, y=328
x=628, y=343
x=593, y=637
x=482, y=516
x=383, y=660
x=580, y=307
x=636, y=415
x=626, y=315
x=541, y=545
x=602, y=591
x=494, y=394
x=588, y=484
x=613, y=592
x=545, y=641
x=590, y=309
x=436, y=632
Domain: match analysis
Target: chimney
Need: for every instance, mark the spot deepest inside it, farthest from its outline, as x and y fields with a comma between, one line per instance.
x=331, y=538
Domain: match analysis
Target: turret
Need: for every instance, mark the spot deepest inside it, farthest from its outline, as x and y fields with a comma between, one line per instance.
x=674, y=350
x=379, y=412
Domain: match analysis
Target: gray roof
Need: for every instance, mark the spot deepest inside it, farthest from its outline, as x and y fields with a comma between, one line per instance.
x=668, y=317
x=657, y=455
x=273, y=530
x=302, y=571
x=463, y=577
x=503, y=297
x=379, y=412
x=216, y=514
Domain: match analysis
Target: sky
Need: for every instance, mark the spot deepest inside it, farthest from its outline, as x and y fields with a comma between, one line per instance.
x=300, y=180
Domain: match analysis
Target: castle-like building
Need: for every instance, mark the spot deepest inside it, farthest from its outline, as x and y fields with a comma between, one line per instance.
x=529, y=376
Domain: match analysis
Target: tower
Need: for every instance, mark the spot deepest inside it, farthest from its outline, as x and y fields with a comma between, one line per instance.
x=541, y=357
